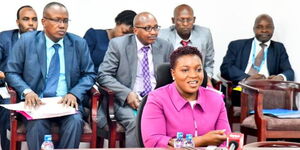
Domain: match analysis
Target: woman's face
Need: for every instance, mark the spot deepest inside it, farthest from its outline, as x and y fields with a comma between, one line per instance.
x=188, y=75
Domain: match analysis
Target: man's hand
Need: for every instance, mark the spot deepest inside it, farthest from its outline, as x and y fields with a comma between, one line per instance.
x=256, y=77
x=2, y=75
x=32, y=100
x=133, y=100
x=274, y=77
x=215, y=137
x=69, y=100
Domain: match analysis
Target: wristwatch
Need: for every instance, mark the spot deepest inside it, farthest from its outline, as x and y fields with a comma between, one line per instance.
x=26, y=91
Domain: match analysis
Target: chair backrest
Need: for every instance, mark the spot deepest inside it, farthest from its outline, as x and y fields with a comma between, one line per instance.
x=163, y=77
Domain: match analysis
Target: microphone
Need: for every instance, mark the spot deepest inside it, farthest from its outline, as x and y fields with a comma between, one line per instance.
x=235, y=141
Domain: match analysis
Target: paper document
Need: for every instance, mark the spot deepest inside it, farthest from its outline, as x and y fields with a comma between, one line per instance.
x=50, y=109
x=4, y=93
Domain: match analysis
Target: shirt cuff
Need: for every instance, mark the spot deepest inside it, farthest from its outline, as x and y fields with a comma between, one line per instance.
x=26, y=91
x=284, y=77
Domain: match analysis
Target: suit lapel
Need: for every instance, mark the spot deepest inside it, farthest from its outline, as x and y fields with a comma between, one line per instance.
x=246, y=54
x=131, y=52
x=68, y=52
x=41, y=50
x=270, y=57
x=155, y=56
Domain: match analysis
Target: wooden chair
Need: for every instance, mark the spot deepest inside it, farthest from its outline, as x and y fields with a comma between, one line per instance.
x=114, y=131
x=18, y=130
x=266, y=94
x=233, y=112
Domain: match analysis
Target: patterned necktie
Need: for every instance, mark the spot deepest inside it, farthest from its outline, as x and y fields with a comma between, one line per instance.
x=258, y=60
x=53, y=74
x=146, y=71
x=184, y=43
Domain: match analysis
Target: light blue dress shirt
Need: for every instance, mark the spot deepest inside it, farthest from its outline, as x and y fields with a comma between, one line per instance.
x=62, y=83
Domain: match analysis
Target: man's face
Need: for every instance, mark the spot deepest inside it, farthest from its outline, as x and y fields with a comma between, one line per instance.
x=263, y=30
x=184, y=21
x=55, y=22
x=27, y=20
x=147, y=31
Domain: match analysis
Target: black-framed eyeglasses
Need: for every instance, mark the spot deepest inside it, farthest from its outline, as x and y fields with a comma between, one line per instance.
x=149, y=28
x=182, y=20
x=64, y=21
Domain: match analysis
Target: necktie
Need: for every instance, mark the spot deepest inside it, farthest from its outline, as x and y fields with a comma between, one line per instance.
x=184, y=43
x=258, y=60
x=53, y=74
x=146, y=71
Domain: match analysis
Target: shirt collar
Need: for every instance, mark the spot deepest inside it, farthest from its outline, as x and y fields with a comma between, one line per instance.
x=178, y=38
x=50, y=43
x=258, y=42
x=179, y=102
x=139, y=45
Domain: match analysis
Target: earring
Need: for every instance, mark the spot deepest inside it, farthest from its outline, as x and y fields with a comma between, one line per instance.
x=173, y=78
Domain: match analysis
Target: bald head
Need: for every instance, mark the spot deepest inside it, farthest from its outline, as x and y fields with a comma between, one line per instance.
x=181, y=8
x=143, y=17
x=184, y=20
x=145, y=28
x=263, y=28
x=55, y=6
x=263, y=17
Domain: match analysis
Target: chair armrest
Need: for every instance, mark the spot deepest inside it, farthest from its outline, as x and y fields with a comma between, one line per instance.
x=110, y=112
x=13, y=95
x=258, y=104
x=94, y=96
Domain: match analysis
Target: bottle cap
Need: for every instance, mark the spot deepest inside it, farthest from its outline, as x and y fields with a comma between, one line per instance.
x=189, y=136
x=48, y=137
x=179, y=135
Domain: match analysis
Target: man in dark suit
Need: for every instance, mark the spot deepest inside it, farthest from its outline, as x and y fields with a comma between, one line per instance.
x=257, y=58
x=129, y=69
x=26, y=21
x=52, y=63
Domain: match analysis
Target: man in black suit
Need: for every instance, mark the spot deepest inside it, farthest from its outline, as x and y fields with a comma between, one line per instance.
x=26, y=21
x=257, y=58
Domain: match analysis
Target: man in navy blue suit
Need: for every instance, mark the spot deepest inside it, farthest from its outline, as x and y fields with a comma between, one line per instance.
x=52, y=63
x=257, y=58
x=26, y=21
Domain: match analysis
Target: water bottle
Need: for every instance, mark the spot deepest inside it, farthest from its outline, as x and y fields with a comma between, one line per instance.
x=189, y=143
x=178, y=143
x=47, y=144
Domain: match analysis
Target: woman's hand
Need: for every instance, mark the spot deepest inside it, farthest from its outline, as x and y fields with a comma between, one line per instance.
x=215, y=137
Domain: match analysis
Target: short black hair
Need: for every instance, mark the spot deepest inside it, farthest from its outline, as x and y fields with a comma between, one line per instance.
x=18, y=12
x=182, y=51
x=125, y=17
x=52, y=4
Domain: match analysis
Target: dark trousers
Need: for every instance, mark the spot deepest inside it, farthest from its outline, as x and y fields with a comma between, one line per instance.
x=4, y=124
x=71, y=128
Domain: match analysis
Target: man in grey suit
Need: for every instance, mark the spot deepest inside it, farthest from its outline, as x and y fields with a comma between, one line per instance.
x=185, y=32
x=129, y=69
x=52, y=63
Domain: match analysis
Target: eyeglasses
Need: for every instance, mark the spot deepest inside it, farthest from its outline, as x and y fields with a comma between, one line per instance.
x=182, y=20
x=64, y=21
x=149, y=28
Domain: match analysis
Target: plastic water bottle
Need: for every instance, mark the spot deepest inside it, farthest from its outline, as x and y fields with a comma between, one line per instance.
x=178, y=143
x=189, y=141
x=47, y=144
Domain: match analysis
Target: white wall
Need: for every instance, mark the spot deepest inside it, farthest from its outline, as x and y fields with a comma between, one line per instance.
x=228, y=19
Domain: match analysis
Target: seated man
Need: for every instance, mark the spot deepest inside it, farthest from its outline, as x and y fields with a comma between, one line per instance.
x=26, y=21
x=184, y=32
x=52, y=63
x=129, y=69
x=98, y=39
x=257, y=58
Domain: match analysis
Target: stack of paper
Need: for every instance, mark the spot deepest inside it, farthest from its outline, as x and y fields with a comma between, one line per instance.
x=50, y=109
